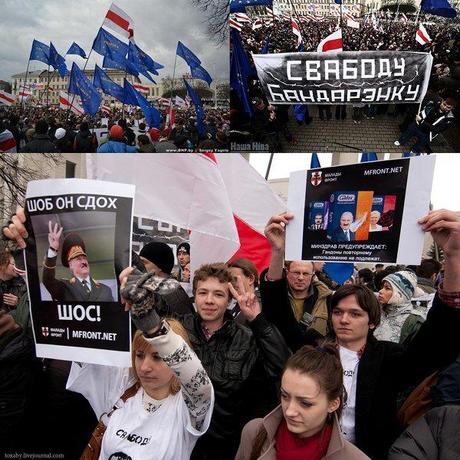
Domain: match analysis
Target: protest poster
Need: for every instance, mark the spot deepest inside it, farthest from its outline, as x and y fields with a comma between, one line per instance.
x=80, y=241
x=377, y=77
x=364, y=212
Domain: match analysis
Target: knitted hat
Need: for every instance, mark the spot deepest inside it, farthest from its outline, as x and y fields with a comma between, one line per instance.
x=154, y=134
x=184, y=246
x=60, y=133
x=116, y=132
x=403, y=284
x=160, y=254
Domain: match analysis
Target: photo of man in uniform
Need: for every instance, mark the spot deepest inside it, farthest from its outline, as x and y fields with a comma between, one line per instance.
x=80, y=287
x=318, y=224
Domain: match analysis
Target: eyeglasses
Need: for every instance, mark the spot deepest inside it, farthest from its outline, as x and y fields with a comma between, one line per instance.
x=299, y=274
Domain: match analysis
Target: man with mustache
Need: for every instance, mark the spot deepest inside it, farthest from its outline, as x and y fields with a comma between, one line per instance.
x=81, y=287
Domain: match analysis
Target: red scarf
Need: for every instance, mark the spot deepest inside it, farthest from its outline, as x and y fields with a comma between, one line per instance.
x=291, y=447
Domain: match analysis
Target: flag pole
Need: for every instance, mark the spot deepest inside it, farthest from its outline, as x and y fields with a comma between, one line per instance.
x=267, y=173
x=172, y=87
x=22, y=95
x=47, y=86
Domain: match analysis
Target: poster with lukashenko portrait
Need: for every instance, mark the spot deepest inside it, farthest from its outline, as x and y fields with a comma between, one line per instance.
x=81, y=233
x=364, y=212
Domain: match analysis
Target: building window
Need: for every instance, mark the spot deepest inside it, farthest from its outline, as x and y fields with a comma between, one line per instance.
x=69, y=169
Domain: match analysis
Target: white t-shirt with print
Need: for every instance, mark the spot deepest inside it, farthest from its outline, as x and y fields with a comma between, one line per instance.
x=166, y=433
x=350, y=361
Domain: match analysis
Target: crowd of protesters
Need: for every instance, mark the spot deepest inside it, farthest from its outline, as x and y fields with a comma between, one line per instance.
x=343, y=358
x=45, y=130
x=269, y=124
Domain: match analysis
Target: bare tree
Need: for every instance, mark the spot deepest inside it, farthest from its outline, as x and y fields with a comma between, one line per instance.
x=217, y=14
x=16, y=170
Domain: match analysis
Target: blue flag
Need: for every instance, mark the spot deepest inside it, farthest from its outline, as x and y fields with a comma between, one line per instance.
x=152, y=115
x=198, y=108
x=57, y=62
x=142, y=59
x=105, y=40
x=75, y=49
x=136, y=61
x=266, y=47
x=200, y=73
x=371, y=156
x=115, y=60
x=300, y=111
x=438, y=8
x=187, y=55
x=81, y=86
x=102, y=81
x=339, y=2
x=240, y=70
x=314, y=162
x=40, y=52
x=239, y=6
x=338, y=271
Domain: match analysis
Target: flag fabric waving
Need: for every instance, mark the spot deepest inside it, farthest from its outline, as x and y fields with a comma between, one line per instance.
x=57, y=62
x=190, y=58
x=332, y=42
x=65, y=101
x=152, y=115
x=117, y=20
x=438, y=8
x=81, y=86
x=142, y=60
x=135, y=61
x=201, y=73
x=102, y=81
x=114, y=60
x=296, y=31
x=105, y=40
x=421, y=36
x=198, y=108
x=314, y=161
x=239, y=6
x=141, y=88
x=76, y=49
x=40, y=52
x=7, y=98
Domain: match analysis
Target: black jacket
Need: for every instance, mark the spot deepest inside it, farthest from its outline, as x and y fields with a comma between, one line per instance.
x=385, y=368
x=41, y=143
x=433, y=436
x=244, y=366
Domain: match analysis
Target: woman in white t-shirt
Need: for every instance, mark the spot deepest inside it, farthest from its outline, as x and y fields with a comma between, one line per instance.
x=173, y=404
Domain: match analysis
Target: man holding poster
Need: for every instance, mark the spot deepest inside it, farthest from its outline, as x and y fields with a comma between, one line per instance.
x=81, y=287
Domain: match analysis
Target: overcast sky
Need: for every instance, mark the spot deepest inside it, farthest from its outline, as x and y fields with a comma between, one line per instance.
x=445, y=192
x=158, y=25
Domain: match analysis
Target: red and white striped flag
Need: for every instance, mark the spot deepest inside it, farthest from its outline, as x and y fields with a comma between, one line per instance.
x=106, y=109
x=235, y=24
x=179, y=102
x=241, y=17
x=257, y=24
x=171, y=118
x=64, y=103
x=23, y=92
x=296, y=31
x=141, y=88
x=421, y=36
x=7, y=98
x=403, y=18
x=165, y=102
x=268, y=21
x=117, y=20
x=269, y=11
x=332, y=42
x=7, y=142
x=286, y=16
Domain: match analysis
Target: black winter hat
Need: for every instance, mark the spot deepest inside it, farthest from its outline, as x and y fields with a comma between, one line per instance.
x=184, y=246
x=160, y=254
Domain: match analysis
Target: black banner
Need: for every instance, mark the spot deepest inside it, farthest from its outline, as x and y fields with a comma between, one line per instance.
x=349, y=77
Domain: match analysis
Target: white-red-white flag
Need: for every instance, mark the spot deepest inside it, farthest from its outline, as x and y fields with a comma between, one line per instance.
x=117, y=20
x=257, y=24
x=421, y=36
x=7, y=98
x=106, y=109
x=403, y=18
x=7, y=142
x=141, y=88
x=242, y=17
x=352, y=23
x=220, y=198
x=235, y=24
x=171, y=118
x=332, y=42
x=64, y=103
x=179, y=102
x=296, y=31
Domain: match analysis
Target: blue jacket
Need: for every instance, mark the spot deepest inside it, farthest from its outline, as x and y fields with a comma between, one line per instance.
x=115, y=147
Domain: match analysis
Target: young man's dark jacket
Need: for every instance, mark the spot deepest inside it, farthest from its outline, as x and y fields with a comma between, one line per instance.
x=244, y=365
x=385, y=368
